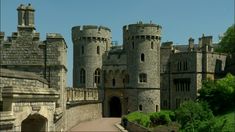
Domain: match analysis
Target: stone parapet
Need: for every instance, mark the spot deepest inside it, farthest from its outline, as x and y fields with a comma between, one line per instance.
x=6, y=73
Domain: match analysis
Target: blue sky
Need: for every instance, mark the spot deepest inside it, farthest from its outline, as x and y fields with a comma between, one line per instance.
x=180, y=19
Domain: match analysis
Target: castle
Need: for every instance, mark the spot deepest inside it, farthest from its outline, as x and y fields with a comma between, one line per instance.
x=143, y=74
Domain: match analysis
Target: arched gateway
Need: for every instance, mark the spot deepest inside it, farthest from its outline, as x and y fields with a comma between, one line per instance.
x=34, y=122
x=115, y=108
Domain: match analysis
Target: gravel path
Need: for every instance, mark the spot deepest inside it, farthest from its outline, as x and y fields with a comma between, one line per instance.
x=99, y=125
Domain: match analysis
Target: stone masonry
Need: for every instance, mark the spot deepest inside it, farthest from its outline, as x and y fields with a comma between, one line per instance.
x=24, y=51
x=109, y=80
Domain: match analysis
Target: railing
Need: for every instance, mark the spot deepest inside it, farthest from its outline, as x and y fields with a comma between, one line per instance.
x=82, y=94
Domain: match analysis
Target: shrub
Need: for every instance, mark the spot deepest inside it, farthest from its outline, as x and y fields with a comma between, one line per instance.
x=219, y=94
x=161, y=118
x=139, y=118
x=190, y=114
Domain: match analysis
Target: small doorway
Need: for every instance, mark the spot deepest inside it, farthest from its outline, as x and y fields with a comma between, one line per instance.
x=34, y=122
x=115, y=108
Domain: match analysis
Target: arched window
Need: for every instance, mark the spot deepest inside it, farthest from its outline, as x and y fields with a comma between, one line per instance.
x=82, y=50
x=142, y=57
x=140, y=107
x=151, y=45
x=114, y=82
x=142, y=77
x=82, y=76
x=97, y=76
x=156, y=108
x=127, y=78
x=98, y=49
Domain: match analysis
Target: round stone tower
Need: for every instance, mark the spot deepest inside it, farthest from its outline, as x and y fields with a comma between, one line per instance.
x=142, y=45
x=89, y=44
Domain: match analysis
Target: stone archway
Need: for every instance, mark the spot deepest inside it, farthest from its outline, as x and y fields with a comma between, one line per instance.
x=115, y=107
x=35, y=122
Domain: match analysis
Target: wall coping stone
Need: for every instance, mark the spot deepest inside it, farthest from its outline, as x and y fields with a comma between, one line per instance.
x=21, y=74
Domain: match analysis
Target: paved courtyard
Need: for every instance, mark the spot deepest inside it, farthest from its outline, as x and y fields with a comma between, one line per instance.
x=100, y=125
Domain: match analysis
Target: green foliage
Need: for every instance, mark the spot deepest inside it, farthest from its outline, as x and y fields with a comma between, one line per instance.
x=219, y=94
x=190, y=115
x=161, y=118
x=227, y=44
x=222, y=123
x=139, y=118
x=151, y=119
x=225, y=122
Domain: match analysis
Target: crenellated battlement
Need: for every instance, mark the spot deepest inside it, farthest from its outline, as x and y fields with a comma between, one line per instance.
x=54, y=36
x=91, y=33
x=11, y=40
x=2, y=35
x=206, y=40
x=141, y=25
x=94, y=27
x=142, y=31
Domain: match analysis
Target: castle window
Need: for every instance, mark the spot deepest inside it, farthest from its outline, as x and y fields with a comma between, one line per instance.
x=185, y=65
x=142, y=77
x=142, y=37
x=98, y=49
x=140, y=107
x=127, y=78
x=105, y=78
x=133, y=45
x=114, y=82
x=187, y=86
x=82, y=76
x=119, y=56
x=82, y=50
x=182, y=84
x=97, y=76
x=177, y=102
x=151, y=45
x=156, y=108
x=148, y=37
x=142, y=57
x=165, y=103
x=218, y=66
x=179, y=66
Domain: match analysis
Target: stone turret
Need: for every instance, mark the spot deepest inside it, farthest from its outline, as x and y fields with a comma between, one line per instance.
x=90, y=43
x=205, y=44
x=142, y=43
x=2, y=35
x=191, y=44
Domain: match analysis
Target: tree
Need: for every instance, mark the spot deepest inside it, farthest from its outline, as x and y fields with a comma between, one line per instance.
x=191, y=114
x=227, y=44
x=219, y=94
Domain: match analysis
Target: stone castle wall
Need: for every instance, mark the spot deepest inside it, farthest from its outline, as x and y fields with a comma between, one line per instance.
x=182, y=80
x=83, y=112
x=22, y=79
x=25, y=94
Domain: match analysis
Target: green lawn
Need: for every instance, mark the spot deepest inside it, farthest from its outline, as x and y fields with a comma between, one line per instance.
x=230, y=121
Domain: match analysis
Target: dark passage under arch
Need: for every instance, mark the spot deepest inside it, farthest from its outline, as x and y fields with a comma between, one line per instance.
x=115, y=108
x=36, y=123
